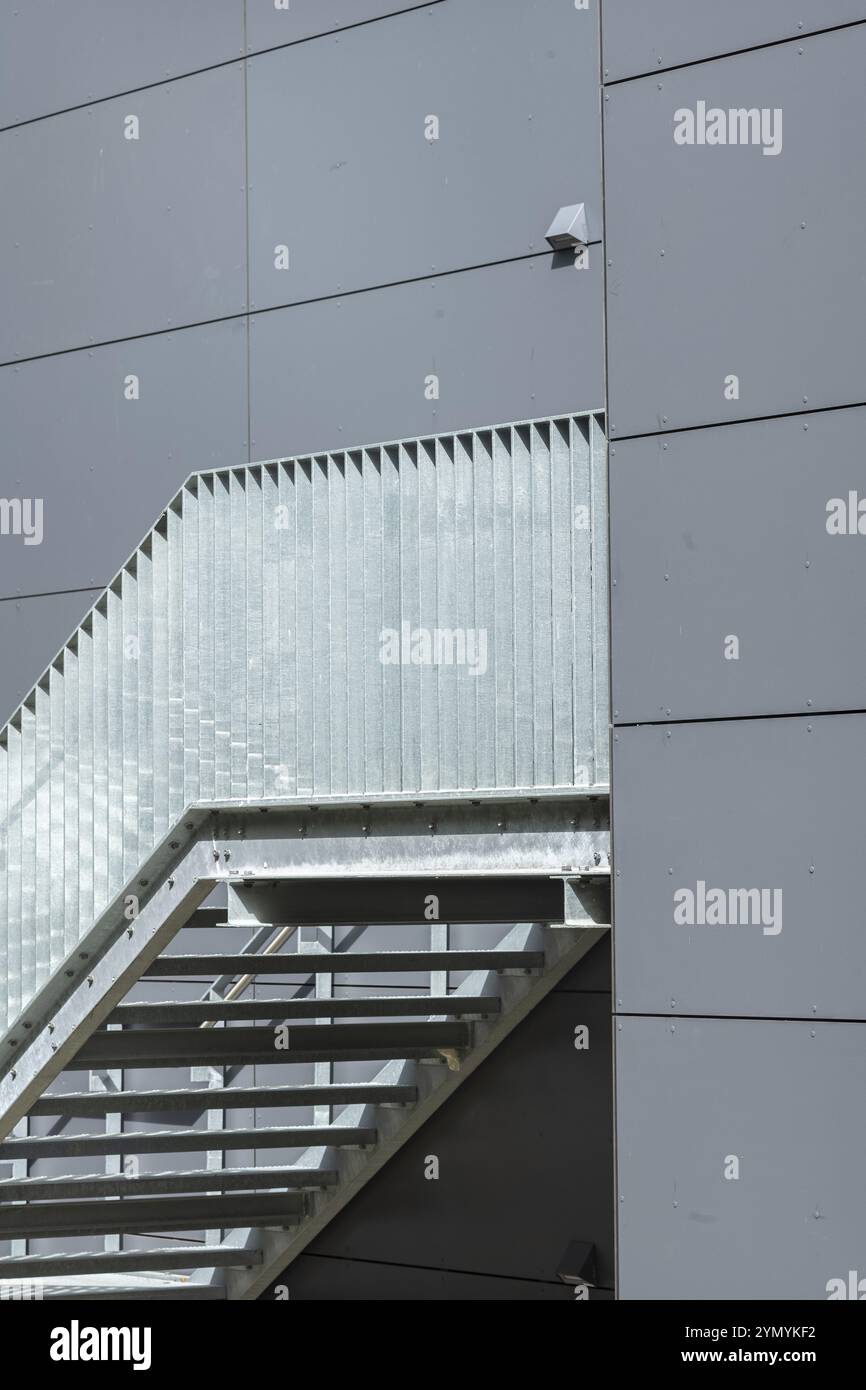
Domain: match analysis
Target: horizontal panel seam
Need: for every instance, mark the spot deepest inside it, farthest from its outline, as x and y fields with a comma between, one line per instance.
x=245, y=55
x=243, y=314
x=735, y=52
x=725, y=424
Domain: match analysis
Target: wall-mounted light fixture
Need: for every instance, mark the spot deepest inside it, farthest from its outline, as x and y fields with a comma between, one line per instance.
x=578, y=1265
x=568, y=229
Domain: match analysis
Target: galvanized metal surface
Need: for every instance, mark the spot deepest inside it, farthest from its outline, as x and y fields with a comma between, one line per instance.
x=238, y=657
x=346, y=1149
x=556, y=837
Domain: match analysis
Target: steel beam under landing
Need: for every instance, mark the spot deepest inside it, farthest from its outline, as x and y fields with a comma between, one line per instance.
x=364, y=900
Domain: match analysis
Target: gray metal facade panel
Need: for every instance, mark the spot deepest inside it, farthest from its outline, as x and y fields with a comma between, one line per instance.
x=119, y=236
x=723, y=533
x=640, y=37
x=34, y=630
x=694, y=1093
x=274, y=22
x=773, y=804
x=708, y=281
x=74, y=441
x=54, y=54
x=315, y=382
x=543, y=1109
x=371, y=200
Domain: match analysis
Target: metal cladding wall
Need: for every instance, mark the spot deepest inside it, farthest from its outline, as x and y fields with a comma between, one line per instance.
x=241, y=231
x=735, y=310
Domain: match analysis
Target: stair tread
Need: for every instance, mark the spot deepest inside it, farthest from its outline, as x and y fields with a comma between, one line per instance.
x=140, y=1215
x=291, y=1176
x=171, y=1257
x=344, y=962
x=109, y=1293
x=226, y=1098
x=371, y=1005
x=167, y=1141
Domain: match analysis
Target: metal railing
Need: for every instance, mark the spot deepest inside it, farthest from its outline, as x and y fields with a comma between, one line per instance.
x=428, y=616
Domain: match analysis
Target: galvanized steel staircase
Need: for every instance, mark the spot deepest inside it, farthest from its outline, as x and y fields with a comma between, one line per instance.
x=358, y=1070
x=227, y=719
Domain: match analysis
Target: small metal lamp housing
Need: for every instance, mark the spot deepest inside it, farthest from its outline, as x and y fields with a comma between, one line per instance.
x=568, y=229
x=578, y=1265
